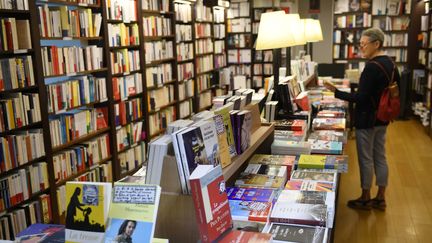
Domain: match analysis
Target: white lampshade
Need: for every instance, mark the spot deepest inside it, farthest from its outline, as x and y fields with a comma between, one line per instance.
x=295, y=25
x=315, y=33
x=270, y=35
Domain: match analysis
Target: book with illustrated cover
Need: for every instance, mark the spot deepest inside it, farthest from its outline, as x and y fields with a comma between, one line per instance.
x=224, y=112
x=314, y=176
x=87, y=211
x=329, y=135
x=294, y=213
x=272, y=170
x=244, y=124
x=297, y=233
x=262, y=181
x=222, y=139
x=133, y=212
x=310, y=186
x=307, y=197
x=288, y=135
x=210, y=140
x=329, y=124
x=272, y=159
x=330, y=114
x=335, y=162
x=250, y=210
x=211, y=203
x=251, y=194
x=42, y=233
x=325, y=147
x=292, y=125
x=238, y=236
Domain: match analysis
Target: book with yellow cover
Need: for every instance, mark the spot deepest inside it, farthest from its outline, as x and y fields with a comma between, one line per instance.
x=87, y=211
x=133, y=212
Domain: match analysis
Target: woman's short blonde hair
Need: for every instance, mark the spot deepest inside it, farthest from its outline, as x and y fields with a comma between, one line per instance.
x=374, y=34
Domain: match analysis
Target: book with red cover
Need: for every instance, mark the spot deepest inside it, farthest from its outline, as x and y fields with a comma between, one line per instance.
x=211, y=202
x=238, y=236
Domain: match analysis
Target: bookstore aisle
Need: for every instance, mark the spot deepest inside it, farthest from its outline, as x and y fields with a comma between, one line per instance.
x=408, y=217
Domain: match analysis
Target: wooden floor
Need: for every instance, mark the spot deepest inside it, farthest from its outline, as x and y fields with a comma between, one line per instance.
x=408, y=217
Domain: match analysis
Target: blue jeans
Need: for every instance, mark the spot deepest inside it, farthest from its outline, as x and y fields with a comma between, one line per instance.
x=371, y=155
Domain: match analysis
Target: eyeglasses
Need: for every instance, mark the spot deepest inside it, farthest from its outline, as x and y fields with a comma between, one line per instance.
x=363, y=45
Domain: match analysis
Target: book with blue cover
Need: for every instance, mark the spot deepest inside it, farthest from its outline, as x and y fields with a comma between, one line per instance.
x=43, y=233
x=250, y=194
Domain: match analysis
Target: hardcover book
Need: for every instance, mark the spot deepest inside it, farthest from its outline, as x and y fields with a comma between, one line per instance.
x=87, y=211
x=297, y=233
x=133, y=212
x=211, y=203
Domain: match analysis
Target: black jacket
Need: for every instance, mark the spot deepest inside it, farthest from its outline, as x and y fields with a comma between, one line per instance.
x=372, y=83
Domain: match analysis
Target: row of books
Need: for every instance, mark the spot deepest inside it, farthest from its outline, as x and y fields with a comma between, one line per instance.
x=239, y=56
x=17, y=150
x=129, y=135
x=219, y=31
x=346, y=51
x=266, y=56
x=239, y=41
x=202, y=12
x=14, y=4
x=158, y=75
x=346, y=36
x=203, y=46
x=186, y=89
x=156, y=26
x=239, y=9
x=183, y=12
x=343, y=6
x=396, y=40
x=204, y=63
x=9, y=38
x=102, y=173
x=263, y=69
x=391, y=7
x=59, y=21
x=354, y=21
x=203, y=82
x=75, y=124
x=132, y=158
x=184, y=51
x=204, y=100
x=239, y=25
x=219, y=15
x=220, y=61
x=123, y=35
x=16, y=72
x=81, y=157
x=124, y=10
x=161, y=119
x=125, y=61
x=69, y=60
x=202, y=30
x=183, y=32
x=38, y=211
x=74, y=93
x=390, y=24
x=19, y=110
x=185, y=71
x=160, y=97
x=158, y=50
x=128, y=111
x=126, y=86
x=185, y=108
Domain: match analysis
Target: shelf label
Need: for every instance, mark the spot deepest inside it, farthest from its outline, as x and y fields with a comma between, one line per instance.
x=20, y=51
x=67, y=38
x=71, y=74
x=83, y=4
x=126, y=73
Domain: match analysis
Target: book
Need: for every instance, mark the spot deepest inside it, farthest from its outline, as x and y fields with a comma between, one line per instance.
x=272, y=159
x=329, y=135
x=87, y=211
x=297, y=233
x=133, y=212
x=224, y=151
x=250, y=194
x=242, y=210
x=294, y=213
x=325, y=147
x=271, y=170
x=314, y=176
x=336, y=162
x=238, y=236
x=337, y=124
x=310, y=186
x=262, y=181
x=42, y=233
x=224, y=112
x=211, y=202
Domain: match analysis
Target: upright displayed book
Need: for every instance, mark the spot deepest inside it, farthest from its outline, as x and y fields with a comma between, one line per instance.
x=87, y=211
x=211, y=203
x=133, y=212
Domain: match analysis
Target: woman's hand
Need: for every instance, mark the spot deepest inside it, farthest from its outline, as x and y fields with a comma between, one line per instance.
x=329, y=85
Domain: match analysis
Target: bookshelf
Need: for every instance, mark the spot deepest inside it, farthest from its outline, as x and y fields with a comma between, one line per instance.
x=239, y=40
x=262, y=60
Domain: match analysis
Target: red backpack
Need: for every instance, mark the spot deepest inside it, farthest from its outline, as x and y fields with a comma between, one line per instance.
x=389, y=104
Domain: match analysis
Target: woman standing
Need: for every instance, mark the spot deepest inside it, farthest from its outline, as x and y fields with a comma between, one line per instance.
x=370, y=131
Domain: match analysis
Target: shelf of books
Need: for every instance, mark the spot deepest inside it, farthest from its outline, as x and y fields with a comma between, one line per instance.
x=204, y=55
x=185, y=56
x=428, y=69
x=262, y=60
x=158, y=23
x=239, y=43
x=24, y=167
x=350, y=19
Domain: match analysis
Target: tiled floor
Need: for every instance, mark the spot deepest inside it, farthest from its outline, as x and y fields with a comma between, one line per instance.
x=408, y=217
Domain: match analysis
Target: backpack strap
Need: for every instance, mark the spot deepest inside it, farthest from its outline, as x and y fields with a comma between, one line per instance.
x=385, y=72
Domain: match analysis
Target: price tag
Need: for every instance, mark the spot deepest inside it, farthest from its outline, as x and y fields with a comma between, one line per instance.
x=20, y=51
x=67, y=38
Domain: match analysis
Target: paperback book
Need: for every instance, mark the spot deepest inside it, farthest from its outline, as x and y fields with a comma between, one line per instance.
x=250, y=210
x=310, y=186
x=251, y=194
x=294, y=213
x=262, y=181
x=297, y=233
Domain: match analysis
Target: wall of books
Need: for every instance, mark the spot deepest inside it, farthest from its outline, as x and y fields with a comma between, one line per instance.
x=352, y=17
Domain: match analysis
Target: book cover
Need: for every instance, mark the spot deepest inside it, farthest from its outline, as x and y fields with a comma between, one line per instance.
x=238, y=236
x=255, y=180
x=310, y=186
x=294, y=213
x=211, y=203
x=307, y=197
x=329, y=135
x=250, y=194
x=87, y=211
x=192, y=149
x=297, y=233
x=133, y=212
x=224, y=152
x=224, y=112
x=245, y=123
x=312, y=161
x=210, y=140
x=271, y=159
x=288, y=135
x=250, y=210
x=314, y=176
x=325, y=147
x=43, y=233
x=329, y=124
x=271, y=170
